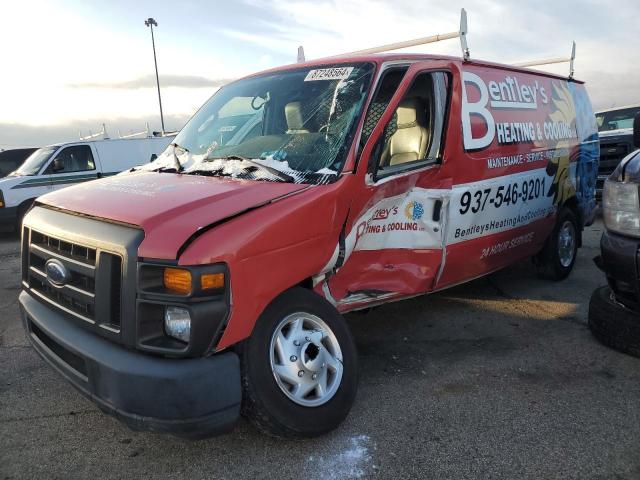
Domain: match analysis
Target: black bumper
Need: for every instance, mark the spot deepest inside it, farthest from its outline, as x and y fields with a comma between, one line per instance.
x=620, y=264
x=193, y=398
x=8, y=215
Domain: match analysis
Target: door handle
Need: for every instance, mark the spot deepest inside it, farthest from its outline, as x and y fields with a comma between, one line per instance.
x=437, y=210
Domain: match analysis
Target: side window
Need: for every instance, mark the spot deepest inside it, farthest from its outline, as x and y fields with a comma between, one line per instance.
x=387, y=87
x=72, y=159
x=413, y=138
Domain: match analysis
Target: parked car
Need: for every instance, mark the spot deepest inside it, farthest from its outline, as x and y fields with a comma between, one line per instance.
x=217, y=276
x=58, y=166
x=614, y=310
x=12, y=158
x=615, y=127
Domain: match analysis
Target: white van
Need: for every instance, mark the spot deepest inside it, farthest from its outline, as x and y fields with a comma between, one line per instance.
x=58, y=166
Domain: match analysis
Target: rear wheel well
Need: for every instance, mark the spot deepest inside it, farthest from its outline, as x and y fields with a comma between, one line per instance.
x=572, y=204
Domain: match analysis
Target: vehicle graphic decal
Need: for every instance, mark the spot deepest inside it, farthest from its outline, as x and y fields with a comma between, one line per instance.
x=63, y=179
x=402, y=221
x=498, y=204
x=562, y=187
x=529, y=145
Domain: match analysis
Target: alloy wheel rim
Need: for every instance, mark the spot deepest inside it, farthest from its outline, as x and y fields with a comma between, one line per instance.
x=306, y=359
x=566, y=243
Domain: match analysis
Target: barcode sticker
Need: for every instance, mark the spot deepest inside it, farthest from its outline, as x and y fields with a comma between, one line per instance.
x=339, y=73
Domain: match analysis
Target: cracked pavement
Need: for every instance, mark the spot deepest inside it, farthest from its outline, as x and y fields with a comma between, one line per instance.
x=498, y=378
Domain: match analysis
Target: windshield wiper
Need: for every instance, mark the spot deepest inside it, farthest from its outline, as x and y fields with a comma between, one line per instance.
x=274, y=171
x=178, y=165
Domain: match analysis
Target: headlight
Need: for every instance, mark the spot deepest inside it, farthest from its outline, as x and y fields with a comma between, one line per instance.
x=621, y=208
x=177, y=323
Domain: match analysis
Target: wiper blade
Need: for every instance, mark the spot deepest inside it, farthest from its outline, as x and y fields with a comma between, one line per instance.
x=273, y=171
x=178, y=165
x=175, y=168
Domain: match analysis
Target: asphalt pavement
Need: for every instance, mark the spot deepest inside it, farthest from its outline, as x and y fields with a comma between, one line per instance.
x=498, y=378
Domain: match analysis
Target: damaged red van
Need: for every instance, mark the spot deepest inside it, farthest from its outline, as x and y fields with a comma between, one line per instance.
x=212, y=282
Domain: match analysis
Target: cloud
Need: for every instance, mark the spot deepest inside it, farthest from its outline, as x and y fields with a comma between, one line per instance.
x=498, y=31
x=149, y=81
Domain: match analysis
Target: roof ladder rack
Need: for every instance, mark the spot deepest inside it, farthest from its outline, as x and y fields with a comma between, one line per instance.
x=461, y=34
x=549, y=61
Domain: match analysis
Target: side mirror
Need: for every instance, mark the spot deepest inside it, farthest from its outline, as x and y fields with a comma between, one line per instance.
x=636, y=131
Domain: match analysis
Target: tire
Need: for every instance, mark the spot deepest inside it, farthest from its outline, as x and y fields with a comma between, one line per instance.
x=265, y=401
x=557, y=258
x=612, y=324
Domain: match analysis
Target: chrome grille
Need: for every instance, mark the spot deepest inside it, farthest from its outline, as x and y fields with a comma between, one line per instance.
x=611, y=153
x=78, y=297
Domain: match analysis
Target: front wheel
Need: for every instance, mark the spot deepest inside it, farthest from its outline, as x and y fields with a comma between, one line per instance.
x=558, y=256
x=299, y=367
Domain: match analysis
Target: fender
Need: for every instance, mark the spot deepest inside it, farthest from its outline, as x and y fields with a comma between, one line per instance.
x=208, y=227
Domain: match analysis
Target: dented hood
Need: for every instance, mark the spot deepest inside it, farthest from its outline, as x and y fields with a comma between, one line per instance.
x=168, y=207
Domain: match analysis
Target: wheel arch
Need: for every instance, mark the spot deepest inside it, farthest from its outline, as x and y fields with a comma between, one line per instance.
x=573, y=205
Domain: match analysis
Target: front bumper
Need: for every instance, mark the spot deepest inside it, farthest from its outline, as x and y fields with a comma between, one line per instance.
x=620, y=260
x=193, y=398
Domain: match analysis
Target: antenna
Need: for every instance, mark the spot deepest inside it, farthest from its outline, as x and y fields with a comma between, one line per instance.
x=573, y=57
x=461, y=33
x=466, y=55
x=550, y=61
x=301, y=58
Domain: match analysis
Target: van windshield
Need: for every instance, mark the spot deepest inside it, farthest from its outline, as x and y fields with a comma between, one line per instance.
x=616, y=119
x=34, y=162
x=295, y=125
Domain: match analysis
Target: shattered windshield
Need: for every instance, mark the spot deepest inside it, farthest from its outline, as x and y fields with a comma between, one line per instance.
x=294, y=126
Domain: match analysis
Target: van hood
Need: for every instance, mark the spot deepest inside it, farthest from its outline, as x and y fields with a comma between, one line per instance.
x=169, y=207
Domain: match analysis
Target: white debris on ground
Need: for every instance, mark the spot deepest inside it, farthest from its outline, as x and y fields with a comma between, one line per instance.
x=351, y=460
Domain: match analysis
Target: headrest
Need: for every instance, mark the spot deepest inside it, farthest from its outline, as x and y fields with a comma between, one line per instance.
x=293, y=114
x=410, y=111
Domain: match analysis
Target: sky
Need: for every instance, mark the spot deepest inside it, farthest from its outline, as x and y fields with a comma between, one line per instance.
x=69, y=66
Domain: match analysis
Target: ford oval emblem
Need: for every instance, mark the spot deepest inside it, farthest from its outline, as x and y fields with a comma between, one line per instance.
x=57, y=273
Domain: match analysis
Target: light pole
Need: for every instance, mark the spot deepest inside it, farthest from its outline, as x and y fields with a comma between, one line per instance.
x=150, y=22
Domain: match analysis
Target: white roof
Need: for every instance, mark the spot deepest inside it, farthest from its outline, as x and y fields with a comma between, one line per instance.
x=613, y=109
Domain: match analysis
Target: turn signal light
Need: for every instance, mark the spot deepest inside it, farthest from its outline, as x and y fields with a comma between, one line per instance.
x=212, y=281
x=177, y=280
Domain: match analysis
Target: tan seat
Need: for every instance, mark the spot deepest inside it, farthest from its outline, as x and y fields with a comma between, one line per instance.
x=409, y=142
x=293, y=114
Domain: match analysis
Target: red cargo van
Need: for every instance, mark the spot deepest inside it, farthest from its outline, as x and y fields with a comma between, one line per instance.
x=213, y=281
